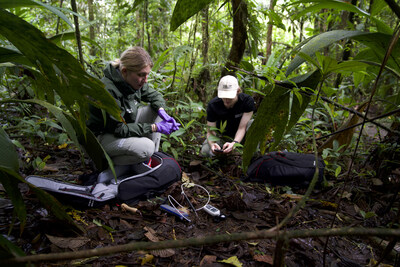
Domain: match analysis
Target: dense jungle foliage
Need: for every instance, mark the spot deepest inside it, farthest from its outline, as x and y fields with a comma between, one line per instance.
x=324, y=75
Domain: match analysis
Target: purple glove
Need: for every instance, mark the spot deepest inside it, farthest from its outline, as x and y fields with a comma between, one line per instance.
x=163, y=115
x=164, y=127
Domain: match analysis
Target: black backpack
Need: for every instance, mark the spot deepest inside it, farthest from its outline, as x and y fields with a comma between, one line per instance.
x=146, y=182
x=284, y=168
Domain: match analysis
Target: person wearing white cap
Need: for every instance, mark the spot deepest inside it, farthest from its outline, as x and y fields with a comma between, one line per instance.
x=230, y=110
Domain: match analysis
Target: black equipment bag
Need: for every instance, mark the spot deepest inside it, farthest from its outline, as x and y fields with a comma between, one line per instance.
x=284, y=168
x=164, y=172
x=142, y=182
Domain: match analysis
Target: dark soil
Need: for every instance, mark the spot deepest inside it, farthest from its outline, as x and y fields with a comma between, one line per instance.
x=247, y=207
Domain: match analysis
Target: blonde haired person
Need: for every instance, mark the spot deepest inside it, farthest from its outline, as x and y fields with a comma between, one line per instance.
x=138, y=137
x=232, y=107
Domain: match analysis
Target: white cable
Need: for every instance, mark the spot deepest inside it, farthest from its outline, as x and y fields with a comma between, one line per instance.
x=177, y=210
x=171, y=199
x=208, y=193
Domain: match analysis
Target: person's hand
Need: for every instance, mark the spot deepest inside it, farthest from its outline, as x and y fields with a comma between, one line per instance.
x=215, y=147
x=165, y=127
x=163, y=115
x=228, y=147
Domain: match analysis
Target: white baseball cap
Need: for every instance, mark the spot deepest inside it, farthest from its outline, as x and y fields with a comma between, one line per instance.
x=227, y=87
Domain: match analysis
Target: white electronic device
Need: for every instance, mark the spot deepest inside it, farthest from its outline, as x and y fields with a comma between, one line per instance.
x=210, y=209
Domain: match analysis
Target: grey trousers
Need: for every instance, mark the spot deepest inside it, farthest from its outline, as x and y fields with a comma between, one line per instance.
x=127, y=152
x=131, y=150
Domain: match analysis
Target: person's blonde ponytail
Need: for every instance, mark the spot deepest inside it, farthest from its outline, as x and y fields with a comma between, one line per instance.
x=134, y=59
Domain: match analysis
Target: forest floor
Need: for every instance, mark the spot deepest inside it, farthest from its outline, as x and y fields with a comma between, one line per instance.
x=248, y=207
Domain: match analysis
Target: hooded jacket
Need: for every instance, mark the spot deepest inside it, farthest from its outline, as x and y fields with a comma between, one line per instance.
x=128, y=99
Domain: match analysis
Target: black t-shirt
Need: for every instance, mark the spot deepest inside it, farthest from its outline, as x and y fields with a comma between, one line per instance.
x=217, y=112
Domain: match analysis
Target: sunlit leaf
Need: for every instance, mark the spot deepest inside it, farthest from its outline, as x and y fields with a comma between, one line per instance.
x=233, y=261
x=338, y=171
x=146, y=259
x=275, y=19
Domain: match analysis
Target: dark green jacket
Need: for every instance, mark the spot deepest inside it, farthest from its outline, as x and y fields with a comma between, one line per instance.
x=128, y=100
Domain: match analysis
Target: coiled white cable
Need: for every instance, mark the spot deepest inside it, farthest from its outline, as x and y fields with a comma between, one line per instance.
x=171, y=199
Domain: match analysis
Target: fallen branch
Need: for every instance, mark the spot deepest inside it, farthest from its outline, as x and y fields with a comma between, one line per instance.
x=201, y=241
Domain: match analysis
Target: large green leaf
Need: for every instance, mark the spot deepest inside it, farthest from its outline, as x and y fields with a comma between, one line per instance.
x=59, y=68
x=85, y=139
x=378, y=44
x=277, y=114
x=8, y=155
x=10, y=179
x=93, y=148
x=320, y=41
x=349, y=66
x=340, y=5
x=184, y=9
x=14, y=56
x=8, y=171
x=32, y=3
x=327, y=4
x=17, y=3
x=9, y=250
x=271, y=116
x=309, y=80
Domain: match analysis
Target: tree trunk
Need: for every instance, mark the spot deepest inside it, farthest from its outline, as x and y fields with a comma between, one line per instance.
x=146, y=19
x=58, y=18
x=349, y=44
x=138, y=28
x=77, y=32
x=92, y=51
x=239, y=36
x=269, y=35
x=192, y=60
x=205, y=35
x=301, y=27
x=142, y=28
x=200, y=84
